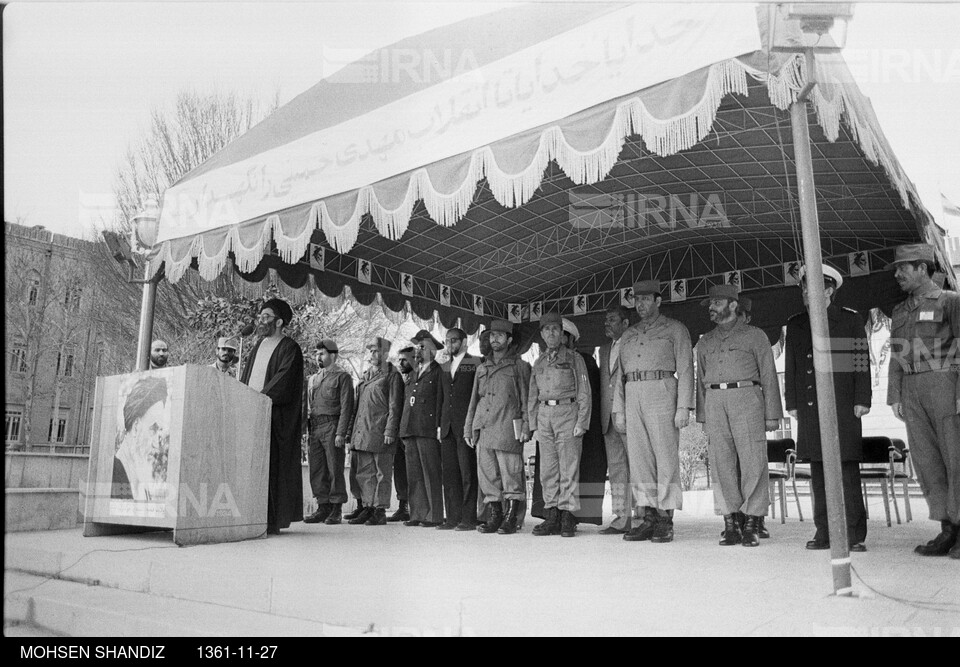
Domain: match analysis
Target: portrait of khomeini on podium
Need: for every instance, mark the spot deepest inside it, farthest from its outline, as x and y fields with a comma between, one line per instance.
x=143, y=440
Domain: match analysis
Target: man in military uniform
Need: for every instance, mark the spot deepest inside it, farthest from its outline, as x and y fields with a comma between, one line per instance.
x=405, y=364
x=459, y=460
x=652, y=402
x=498, y=399
x=616, y=322
x=851, y=381
x=373, y=433
x=226, y=355
x=559, y=403
x=330, y=411
x=420, y=430
x=738, y=399
x=924, y=388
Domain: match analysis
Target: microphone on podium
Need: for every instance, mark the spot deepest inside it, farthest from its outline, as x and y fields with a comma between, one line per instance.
x=247, y=330
x=244, y=332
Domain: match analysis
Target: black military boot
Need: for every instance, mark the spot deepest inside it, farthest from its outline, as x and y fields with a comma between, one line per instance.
x=335, y=516
x=568, y=524
x=645, y=529
x=762, y=528
x=494, y=519
x=750, y=537
x=955, y=551
x=663, y=533
x=355, y=513
x=731, y=531
x=402, y=513
x=361, y=517
x=509, y=525
x=551, y=526
x=378, y=518
x=320, y=515
x=942, y=543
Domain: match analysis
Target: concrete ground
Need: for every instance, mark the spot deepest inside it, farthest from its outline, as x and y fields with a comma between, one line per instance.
x=394, y=580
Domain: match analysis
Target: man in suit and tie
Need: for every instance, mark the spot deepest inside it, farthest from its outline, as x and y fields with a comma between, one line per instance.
x=459, y=460
x=618, y=470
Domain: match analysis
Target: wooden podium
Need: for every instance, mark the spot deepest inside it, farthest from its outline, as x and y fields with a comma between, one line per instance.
x=184, y=448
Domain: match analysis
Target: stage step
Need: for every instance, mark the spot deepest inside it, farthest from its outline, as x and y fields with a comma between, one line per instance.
x=59, y=607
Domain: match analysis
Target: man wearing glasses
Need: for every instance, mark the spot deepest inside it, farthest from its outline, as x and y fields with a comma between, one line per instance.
x=276, y=369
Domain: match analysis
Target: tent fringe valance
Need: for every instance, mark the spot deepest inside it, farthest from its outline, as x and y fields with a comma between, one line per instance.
x=662, y=137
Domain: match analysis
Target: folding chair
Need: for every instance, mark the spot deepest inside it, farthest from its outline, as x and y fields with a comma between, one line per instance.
x=882, y=455
x=782, y=457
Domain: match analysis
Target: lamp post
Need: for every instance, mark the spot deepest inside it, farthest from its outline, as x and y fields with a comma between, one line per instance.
x=143, y=236
x=809, y=28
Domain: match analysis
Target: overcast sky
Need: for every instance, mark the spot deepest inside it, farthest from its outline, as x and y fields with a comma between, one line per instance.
x=80, y=80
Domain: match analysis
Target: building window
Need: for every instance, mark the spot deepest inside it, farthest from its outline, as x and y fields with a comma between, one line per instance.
x=65, y=364
x=71, y=300
x=14, y=418
x=18, y=359
x=33, y=289
x=61, y=430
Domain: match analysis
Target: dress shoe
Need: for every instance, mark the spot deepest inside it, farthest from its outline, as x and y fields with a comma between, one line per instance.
x=446, y=526
x=429, y=524
x=731, y=531
x=509, y=524
x=858, y=548
x=762, y=531
x=551, y=525
x=750, y=537
x=335, y=516
x=942, y=543
x=568, y=524
x=402, y=513
x=411, y=522
x=645, y=529
x=361, y=517
x=355, y=513
x=610, y=530
x=462, y=527
x=320, y=515
x=378, y=518
x=817, y=544
x=494, y=519
x=663, y=533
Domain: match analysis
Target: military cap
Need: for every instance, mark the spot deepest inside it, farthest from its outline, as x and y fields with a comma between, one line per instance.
x=721, y=292
x=423, y=335
x=551, y=318
x=915, y=252
x=225, y=342
x=828, y=272
x=502, y=326
x=571, y=328
x=646, y=287
x=328, y=345
x=378, y=342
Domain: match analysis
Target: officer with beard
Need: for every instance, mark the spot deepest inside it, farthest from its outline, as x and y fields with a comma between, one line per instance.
x=405, y=363
x=159, y=354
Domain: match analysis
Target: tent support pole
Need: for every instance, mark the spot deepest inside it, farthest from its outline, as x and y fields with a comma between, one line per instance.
x=147, y=305
x=822, y=362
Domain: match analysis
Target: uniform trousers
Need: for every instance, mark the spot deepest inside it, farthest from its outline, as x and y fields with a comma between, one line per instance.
x=326, y=461
x=400, y=471
x=500, y=475
x=425, y=479
x=459, y=463
x=618, y=472
x=852, y=502
x=737, y=443
x=559, y=456
x=933, y=429
x=653, y=443
x=355, y=489
x=374, y=471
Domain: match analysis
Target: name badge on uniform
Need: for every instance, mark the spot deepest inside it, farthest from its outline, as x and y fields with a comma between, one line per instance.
x=413, y=399
x=926, y=316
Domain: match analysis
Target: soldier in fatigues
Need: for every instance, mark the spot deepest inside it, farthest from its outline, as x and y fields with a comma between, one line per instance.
x=373, y=436
x=329, y=411
x=405, y=364
x=738, y=399
x=559, y=404
x=924, y=388
x=851, y=381
x=652, y=402
x=499, y=398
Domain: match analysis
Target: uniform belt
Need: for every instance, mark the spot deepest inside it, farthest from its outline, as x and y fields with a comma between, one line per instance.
x=932, y=365
x=639, y=376
x=326, y=418
x=734, y=385
x=561, y=401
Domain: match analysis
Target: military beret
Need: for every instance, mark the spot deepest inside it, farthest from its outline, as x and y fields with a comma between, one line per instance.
x=328, y=345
